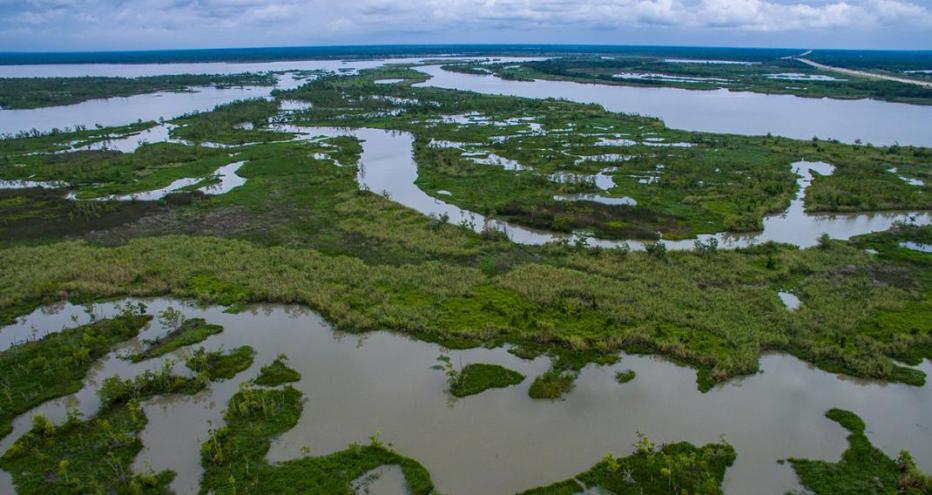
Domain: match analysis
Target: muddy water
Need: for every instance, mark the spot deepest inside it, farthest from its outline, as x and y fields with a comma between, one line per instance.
x=872, y=121
x=387, y=166
x=501, y=441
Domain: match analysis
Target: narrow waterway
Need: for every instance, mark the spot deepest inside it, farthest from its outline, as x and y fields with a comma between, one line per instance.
x=387, y=166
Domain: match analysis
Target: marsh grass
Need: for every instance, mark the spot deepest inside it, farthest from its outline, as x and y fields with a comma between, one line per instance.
x=36, y=371
x=189, y=332
x=277, y=373
x=671, y=468
x=95, y=455
x=234, y=457
x=218, y=365
x=863, y=468
x=475, y=378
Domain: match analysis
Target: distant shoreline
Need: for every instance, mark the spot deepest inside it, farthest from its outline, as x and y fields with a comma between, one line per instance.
x=382, y=51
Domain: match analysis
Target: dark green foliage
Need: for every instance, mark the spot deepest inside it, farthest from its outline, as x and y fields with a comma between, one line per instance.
x=35, y=92
x=189, y=332
x=95, y=456
x=277, y=373
x=625, y=376
x=217, y=365
x=863, y=468
x=552, y=385
x=116, y=391
x=234, y=456
x=478, y=377
x=672, y=468
x=36, y=371
x=735, y=77
x=224, y=123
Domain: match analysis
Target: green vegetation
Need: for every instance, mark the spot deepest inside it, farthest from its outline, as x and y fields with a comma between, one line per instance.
x=625, y=376
x=277, y=373
x=863, y=468
x=672, y=468
x=188, y=332
x=301, y=231
x=218, y=365
x=477, y=377
x=761, y=75
x=553, y=384
x=36, y=371
x=234, y=456
x=96, y=455
x=236, y=122
x=35, y=92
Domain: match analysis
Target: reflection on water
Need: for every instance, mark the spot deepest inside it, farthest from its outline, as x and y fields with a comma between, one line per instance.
x=501, y=441
x=871, y=121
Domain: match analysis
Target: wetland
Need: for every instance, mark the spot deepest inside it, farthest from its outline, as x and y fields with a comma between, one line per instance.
x=384, y=275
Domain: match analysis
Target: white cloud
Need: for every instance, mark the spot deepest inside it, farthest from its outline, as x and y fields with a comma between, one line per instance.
x=316, y=20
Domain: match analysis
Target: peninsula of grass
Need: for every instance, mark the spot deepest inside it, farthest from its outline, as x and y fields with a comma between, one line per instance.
x=625, y=376
x=218, y=365
x=36, y=371
x=277, y=373
x=863, y=468
x=234, y=457
x=478, y=377
x=191, y=331
x=672, y=468
x=770, y=75
x=95, y=455
x=36, y=92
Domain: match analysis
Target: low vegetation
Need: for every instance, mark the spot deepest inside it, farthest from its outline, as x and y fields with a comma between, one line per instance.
x=553, y=384
x=188, y=332
x=234, y=457
x=863, y=468
x=672, y=468
x=217, y=365
x=35, y=92
x=777, y=75
x=94, y=455
x=476, y=378
x=625, y=376
x=277, y=373
x=36, y=371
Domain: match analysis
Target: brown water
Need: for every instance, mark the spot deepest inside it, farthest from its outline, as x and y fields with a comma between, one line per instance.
x=501, y=441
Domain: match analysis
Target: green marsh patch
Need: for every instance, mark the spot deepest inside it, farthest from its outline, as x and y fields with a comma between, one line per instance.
x=478, y=377
x=190, y=332
x=863, y=468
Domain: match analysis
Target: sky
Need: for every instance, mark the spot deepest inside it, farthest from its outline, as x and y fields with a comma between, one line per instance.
x=76, y=25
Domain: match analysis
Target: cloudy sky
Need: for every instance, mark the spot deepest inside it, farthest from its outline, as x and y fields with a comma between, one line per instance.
x=154, y=24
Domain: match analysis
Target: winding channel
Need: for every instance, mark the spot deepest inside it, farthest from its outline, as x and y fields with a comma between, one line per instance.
x=387, y=166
